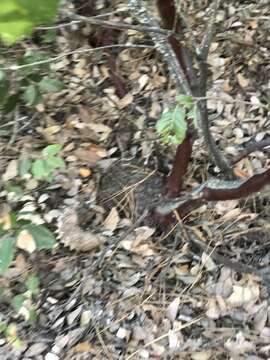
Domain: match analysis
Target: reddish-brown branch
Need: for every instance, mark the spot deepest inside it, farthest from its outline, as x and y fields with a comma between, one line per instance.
x=171, y=21
x=252, y=185
x=179, y=169
x=215, y=192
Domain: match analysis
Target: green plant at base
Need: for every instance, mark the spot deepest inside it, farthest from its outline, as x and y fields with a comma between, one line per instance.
x=10, y=228
x=43, y=169
x=32, y=82
x=14, y=223
x=172, y=126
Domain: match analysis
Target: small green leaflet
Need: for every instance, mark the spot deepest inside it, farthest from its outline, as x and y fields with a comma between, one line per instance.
x=41, y=170
x=17, y=301
x=32, y=283
x=31, y=95
x=51, y=150
x=185, y=100
x=50, y=85
x=7, y=244
x=172, y=126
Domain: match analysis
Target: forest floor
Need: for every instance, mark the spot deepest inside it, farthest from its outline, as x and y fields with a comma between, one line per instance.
x=117, y=286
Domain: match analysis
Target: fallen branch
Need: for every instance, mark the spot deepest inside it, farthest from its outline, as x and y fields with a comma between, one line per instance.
x=215, y=190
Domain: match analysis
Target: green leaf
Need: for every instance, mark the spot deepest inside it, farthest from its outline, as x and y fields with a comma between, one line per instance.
x=31, y=94
x=179, y=124
x=51, y=150
x=32, y=284
x=17, y=302
x=24, y=167
x=50, y=85
x=3, y=327
x=49, y=36
x=55, y=162
x=4, y=87
x=14, y=189
x=33, y=316
x=30, y=58
x=41, y=170
x=172, y=125
x=185, y=100
x=19, y=17
x=10, y=103
x=7, y=250
x=40, y=11
x=43, y=237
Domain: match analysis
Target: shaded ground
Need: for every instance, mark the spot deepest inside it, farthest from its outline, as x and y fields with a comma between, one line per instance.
x=139, y=291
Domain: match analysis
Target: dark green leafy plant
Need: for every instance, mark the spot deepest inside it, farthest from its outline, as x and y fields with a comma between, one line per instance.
x=44, y=167
x=30, y=84
x=11, y=226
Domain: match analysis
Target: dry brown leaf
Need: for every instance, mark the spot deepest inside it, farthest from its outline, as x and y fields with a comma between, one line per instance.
x=85, y=172
x=172, y=309
x=11, y=171
x=101, y=130
x=239, y=345
x=202, y=355
x=244, y=295
x=137, y=243
x=208, y=262
x=82, y=347
x=232, y=214
x=91, y=154
x=87, y=114
x=213, y=311
x=125, y=101
x=112, y=220
x=25, y=241
x=5, y=220
x=73, y=236
x=243, y=82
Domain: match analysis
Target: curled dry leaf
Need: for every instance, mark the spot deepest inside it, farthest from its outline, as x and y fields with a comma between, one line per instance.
x=125, y=101
x=91, y=154
x=25, y=241
x=243, y=82
x=137, y=243
x=11, y=171
x=244, y=295
x=172, y=309
x=73, y=236
x=112, y=220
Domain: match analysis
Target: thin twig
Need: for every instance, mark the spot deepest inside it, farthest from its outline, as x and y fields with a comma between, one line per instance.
x=119, y=25
x=78, y=51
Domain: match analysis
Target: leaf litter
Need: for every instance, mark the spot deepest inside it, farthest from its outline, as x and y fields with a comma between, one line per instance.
x=153, y=296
